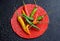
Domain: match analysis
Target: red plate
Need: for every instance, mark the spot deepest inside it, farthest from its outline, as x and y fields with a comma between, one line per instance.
x=34, y=33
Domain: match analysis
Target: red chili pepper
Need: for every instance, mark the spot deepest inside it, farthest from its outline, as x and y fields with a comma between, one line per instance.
x=25, y=9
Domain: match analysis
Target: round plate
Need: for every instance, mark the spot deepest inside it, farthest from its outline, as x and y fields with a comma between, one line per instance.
x=34, y=33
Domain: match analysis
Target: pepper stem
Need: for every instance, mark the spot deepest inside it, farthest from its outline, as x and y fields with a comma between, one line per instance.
x=23, y=2
x=35, y=3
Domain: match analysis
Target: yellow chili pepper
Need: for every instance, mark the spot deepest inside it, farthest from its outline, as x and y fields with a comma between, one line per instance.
x=24, y=27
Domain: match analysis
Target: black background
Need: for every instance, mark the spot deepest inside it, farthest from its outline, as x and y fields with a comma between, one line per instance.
x=7, y=9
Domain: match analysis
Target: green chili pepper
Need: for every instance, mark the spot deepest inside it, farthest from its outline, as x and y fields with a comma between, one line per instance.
x=33, y=11
x=30, y=18
x=31, y=23
x=40, y=18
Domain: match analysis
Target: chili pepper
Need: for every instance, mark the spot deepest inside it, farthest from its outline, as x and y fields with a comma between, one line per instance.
x=35, y=20
x=26, y=15
x=33, y=12
x=25, y=9
x=24, y=27
x=40, y=17
x=20, y=20
x=31, y=23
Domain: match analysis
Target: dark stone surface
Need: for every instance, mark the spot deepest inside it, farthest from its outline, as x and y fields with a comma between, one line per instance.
x=7, y=10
